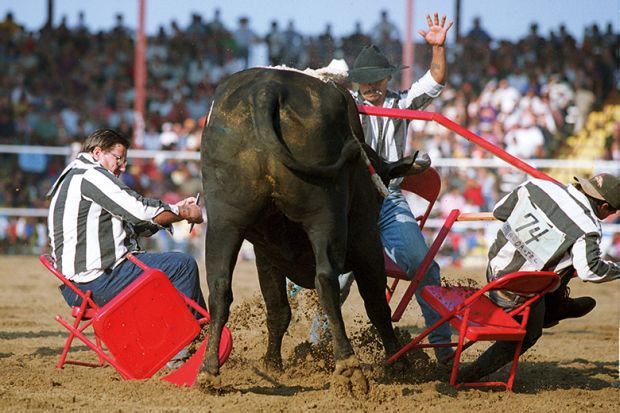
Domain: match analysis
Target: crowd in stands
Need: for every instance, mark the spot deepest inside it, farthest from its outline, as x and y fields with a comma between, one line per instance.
x=58, y=84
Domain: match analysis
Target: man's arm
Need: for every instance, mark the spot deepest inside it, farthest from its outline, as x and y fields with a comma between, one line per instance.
x=438, y=64
x=436, y=37
x=187, y=210
x=431, y=84
x=113, y=195
x=588, y=261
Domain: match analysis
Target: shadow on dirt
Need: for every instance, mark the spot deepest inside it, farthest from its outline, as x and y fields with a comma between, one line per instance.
x=536, y=377
x=16, y=335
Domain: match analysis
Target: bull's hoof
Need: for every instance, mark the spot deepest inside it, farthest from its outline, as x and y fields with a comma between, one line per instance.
x=273, y=365
x=400, y=366
x=349, y=379
x=208, y=382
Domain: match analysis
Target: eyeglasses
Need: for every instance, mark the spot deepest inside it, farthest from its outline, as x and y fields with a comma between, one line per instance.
x=120, y=160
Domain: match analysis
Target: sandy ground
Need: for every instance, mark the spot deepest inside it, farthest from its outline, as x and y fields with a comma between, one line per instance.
x=574, y=367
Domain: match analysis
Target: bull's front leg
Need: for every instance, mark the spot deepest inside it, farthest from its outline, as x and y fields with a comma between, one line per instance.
x=273, y=288
x=221, y=256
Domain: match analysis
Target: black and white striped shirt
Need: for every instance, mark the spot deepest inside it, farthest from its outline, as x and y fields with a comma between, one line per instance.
x=388, y=136
x=548, y=227
x=92, y=219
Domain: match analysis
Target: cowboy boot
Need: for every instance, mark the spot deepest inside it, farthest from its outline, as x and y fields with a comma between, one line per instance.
x=558, y=306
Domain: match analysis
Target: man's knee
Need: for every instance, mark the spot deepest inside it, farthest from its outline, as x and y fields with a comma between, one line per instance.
x=180, y=264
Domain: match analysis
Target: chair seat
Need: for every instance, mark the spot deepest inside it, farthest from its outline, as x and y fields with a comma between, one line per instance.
x=392, y=269
x=487, y=321
x=146, y=324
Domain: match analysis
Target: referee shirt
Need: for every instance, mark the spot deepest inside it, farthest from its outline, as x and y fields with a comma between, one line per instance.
x=548, y=227
x=92, y=219
x=388, y=136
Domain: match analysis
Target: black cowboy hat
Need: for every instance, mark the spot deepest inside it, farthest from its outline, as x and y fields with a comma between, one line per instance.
x=371, y=65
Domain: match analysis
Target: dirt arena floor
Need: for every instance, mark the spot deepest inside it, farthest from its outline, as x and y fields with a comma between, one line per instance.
x=573, y=368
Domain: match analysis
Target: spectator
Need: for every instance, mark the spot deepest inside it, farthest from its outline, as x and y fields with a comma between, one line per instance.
x=276, y=44
x=353, y=44
x=294, y=46
x=244, y=39
x=385, y=31
x=477, y=35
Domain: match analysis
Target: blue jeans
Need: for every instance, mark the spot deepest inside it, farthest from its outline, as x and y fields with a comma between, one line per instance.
x=180, y=268
x=403, y=242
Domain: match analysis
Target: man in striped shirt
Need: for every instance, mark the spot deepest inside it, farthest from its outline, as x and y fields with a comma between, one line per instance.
x=549, y=227
x=400, y=234
x=94, y=221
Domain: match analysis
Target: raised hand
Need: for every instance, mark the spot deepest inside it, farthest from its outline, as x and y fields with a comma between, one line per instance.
x=436, y=35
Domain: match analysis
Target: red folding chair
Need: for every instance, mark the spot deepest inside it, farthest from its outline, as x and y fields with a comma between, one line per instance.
x=82, y=317
x=477, y=318
x=427, y=186
x=142, y=328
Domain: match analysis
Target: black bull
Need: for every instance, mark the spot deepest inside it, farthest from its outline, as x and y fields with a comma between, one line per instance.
x=281, y=168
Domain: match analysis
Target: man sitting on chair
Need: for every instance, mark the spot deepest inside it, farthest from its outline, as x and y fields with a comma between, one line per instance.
x=548, y=227
x=94, y=221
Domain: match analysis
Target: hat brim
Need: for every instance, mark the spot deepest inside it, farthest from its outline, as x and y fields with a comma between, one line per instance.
x=589, y=189
x=373, y=74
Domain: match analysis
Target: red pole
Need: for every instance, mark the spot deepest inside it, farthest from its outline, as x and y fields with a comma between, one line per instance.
x=139, y=76
x=466, y=133
x=408, y=51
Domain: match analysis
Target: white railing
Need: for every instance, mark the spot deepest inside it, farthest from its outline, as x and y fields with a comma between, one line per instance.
x=609, y=166
x=438, y=162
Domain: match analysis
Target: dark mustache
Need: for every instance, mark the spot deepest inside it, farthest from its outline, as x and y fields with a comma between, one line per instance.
x=377, y=91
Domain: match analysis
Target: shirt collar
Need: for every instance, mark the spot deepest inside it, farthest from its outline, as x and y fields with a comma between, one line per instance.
x=83, y=160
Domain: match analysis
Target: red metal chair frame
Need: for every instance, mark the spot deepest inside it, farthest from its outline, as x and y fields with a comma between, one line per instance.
x=105, y=321
x=477, y=318
x=82, y=317
x=426, y=185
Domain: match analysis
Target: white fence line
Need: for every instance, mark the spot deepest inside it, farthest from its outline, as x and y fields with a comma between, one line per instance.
x=609, y=166
x=431, y=223
x=599, y=165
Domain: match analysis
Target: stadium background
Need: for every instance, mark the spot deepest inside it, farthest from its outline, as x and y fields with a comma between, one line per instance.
x=550, y=98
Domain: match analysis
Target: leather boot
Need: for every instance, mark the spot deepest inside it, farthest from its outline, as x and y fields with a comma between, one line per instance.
x=558, y=306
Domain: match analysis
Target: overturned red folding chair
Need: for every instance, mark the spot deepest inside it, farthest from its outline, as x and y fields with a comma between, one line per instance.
x=140, y=329
x=477, y=318
x=427, y=186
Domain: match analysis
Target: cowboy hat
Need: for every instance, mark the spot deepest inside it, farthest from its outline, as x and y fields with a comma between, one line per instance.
x=371, y=65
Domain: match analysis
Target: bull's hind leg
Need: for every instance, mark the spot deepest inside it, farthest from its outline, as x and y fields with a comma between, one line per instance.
x=328, y=242
x=273, y=288
x=222, y=247
x=371, y=285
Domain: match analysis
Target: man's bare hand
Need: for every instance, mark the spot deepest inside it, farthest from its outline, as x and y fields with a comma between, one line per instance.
x=191, y=212
x=187, y=201
x=436, y=35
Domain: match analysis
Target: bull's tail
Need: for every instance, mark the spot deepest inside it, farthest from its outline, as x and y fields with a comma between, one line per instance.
x=267, y=123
